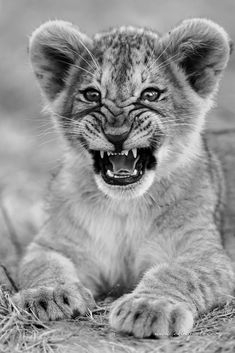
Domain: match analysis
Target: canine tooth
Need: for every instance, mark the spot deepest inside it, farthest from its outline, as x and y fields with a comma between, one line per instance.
x=109, y=173
x=134, y=151
x=135, y=172
x=102, y=154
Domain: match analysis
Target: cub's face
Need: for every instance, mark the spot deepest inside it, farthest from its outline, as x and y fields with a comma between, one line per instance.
x=131, y=103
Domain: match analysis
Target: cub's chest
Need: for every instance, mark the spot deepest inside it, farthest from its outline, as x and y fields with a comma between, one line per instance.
x=116, y=240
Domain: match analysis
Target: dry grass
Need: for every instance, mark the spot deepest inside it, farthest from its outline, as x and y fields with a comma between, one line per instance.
x=22, y=332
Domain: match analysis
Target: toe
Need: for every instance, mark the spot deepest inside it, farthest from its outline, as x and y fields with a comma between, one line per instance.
x=182, y=319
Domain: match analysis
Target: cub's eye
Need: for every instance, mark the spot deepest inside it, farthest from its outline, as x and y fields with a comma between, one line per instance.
x=150, y=94
x=92, y=95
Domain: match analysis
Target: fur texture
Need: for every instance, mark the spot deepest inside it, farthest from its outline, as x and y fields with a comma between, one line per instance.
x=158, y=239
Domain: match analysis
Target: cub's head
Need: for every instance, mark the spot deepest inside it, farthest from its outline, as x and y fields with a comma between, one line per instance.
x=130, y=103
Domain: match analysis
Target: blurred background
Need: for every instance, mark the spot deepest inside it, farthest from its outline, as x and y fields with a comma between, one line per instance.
x=29, y=148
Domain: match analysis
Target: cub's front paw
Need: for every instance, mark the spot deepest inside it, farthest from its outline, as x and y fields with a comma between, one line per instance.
x=144, y=316
x=56, y=303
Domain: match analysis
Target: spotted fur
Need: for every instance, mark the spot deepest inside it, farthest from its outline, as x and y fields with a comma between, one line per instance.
x=157, y=240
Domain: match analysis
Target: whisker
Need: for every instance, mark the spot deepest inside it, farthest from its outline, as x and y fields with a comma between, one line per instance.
x=91, y=55
x=150, y=57
x=159, y=56
x=79, y=55
x=78, y=67
x=166, y=62
x=174, y=123
x=63, y=117
x=45, y=133
x=43, y=143
x=82, y=68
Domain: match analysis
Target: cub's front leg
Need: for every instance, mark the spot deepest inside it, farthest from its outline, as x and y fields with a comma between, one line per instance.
x=170, y=296
x=50, y=287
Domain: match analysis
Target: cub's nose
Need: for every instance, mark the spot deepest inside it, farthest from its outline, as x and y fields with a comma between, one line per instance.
x=117, y=139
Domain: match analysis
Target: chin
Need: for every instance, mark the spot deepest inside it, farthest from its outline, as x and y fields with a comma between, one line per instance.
x=129, y=191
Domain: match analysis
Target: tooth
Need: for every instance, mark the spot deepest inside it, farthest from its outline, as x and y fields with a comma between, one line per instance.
x=102, y=154
x=109, y=173
x=134, y=151
x=135, y=172
x=126, y=152
x=108, y=153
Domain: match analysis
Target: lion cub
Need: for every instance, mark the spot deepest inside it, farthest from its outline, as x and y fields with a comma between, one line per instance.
x=135, y=207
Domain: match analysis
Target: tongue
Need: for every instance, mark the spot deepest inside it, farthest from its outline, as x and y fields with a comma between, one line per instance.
x=123, y=164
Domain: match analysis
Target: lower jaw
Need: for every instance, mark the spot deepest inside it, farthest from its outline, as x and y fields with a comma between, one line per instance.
x=122, y=180
x=128, y=191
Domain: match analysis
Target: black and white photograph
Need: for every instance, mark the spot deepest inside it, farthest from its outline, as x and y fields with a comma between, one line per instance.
x=117, y=176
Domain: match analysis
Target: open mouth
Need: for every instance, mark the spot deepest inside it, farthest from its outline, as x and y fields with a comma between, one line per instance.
x=124, y=168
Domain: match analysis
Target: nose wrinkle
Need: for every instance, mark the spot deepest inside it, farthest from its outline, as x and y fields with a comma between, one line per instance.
x=111, y=108
x=113, y=118
x=117, y=125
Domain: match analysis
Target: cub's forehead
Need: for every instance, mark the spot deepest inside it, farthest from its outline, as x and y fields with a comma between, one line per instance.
x=125, y=55
x=136, y=42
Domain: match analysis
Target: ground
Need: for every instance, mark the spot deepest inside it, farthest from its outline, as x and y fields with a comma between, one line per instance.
x=213, y=332
x=29, y=149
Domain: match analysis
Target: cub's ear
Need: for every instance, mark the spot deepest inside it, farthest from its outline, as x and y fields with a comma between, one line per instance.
x=201, y=49
x=53, y=49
